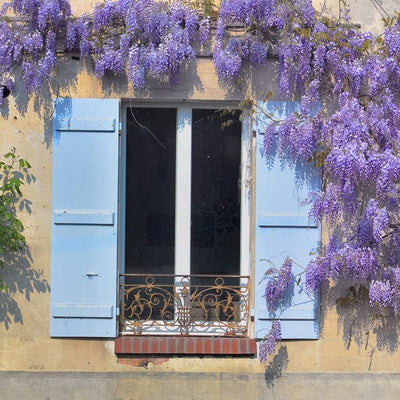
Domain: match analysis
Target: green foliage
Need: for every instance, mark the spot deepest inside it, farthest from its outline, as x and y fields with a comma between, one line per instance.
x=13, y=171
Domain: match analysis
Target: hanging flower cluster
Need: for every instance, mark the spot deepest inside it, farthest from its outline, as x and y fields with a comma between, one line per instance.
x=142, y=38
x=30, y=41
x=154, y=38
x=360, y=143
x=357, y=145
x=262, y=20
x=268, y=345
x=355, y=138
x=231, y=51
x=277, y=284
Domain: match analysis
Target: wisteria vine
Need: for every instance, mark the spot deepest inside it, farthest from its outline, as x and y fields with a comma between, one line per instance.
x=354, y=136
x=142, y=38
x=353, y=80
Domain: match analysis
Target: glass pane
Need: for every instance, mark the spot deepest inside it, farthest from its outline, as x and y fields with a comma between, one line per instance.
x=215, y=231
x=150, y=212
x=150, y=190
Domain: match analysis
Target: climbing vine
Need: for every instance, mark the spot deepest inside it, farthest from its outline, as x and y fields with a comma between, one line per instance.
x=347, y=81
x=357, y=146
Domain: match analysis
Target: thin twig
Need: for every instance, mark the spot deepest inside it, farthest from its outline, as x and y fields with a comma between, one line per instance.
x=146, y=128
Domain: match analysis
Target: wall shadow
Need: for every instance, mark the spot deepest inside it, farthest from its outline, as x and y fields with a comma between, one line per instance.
x=253, y=82
x=65, y=78
x=21, y=278
x=158, y=88
x=277, y=366
x=62, y=80
x=360, y=325
x=18, y=273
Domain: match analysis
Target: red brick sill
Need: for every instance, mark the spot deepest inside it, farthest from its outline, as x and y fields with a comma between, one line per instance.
x=183, y=345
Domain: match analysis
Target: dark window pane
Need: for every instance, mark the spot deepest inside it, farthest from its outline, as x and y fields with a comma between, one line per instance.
x=215, y=230
x=150, y=190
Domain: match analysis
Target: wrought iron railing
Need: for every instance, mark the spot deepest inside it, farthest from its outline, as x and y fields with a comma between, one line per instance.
x=184, y=304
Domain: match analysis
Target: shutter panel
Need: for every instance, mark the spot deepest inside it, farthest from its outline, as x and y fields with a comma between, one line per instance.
x=84, y=218
x=283, y=229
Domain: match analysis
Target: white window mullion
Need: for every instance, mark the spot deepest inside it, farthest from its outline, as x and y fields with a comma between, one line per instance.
x=183, y=190
x=245, y=211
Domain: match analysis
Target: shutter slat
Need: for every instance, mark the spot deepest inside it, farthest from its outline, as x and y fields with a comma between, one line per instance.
x=82, y=311
x=95, y=124
x=83, y=217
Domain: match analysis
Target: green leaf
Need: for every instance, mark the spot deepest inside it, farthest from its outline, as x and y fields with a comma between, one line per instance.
x=268, y=96
x=366, y=45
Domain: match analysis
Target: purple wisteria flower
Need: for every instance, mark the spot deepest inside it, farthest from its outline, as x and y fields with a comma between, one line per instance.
x=277, y=285
x=268, y=345
x=380, y=294
x=259, y=17
x=157, y=38
x=32, y=44
x=204, y=30
x=142, y=37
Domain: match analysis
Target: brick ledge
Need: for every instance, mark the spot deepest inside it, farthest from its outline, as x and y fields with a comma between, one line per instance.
x=183, y=345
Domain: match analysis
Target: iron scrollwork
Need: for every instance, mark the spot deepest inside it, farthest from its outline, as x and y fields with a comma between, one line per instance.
x=184, y=304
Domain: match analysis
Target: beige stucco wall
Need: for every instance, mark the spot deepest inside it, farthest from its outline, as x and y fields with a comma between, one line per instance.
x=25, y=343
x=368, y=13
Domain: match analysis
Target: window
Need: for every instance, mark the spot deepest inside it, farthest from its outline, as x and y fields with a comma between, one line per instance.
x=182, y=218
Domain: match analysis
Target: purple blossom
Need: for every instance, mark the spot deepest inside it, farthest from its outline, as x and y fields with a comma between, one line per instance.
x=230, y=51
x=52, y=13
x=316, y=273
x=268, y=345
x=395, y=272
x=32, y=45
x=227, y=64
x=155, y=40
x=392, y=40
x=296, y=139
x=257, y=53
x=78, y=32
x=380, y=294
x=269, y=138
x=103, y=14
x=319, y=59
x=204, y=30
x=135, y=70
x=277, y=285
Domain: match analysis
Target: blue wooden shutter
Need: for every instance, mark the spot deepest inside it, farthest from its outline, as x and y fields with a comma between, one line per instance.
x=283, y=229
x=84, y=218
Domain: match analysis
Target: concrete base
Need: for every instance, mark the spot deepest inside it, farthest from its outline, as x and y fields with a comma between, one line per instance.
x=195, y=386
